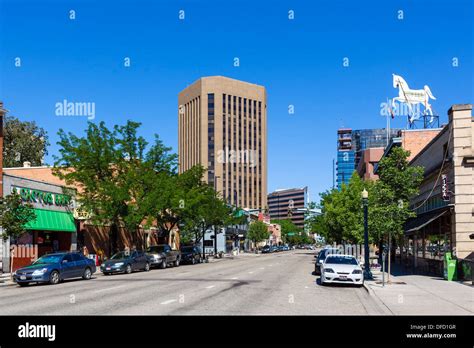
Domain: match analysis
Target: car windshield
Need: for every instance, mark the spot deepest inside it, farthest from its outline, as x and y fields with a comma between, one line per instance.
x=156, y=249
x=341, y=260
x=120, y=255
x=48, y=259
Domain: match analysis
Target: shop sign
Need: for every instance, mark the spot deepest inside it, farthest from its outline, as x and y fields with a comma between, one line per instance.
x=445, y=187
x=80, y=214
x=43, y=197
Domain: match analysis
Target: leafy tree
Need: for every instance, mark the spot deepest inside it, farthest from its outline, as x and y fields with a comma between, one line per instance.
x=398, y=182
x=287, y=226
x=205, y=210
x=23, y=141
x=112, y=172
x=14, y=215
x=258, y=232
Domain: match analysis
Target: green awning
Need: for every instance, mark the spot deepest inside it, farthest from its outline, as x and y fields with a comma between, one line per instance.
x=48, y=220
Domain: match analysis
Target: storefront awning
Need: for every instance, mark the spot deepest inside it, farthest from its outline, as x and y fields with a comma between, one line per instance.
x=49, y=220
x=423, y=220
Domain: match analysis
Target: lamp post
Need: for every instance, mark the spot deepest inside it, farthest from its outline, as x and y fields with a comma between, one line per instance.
x=365, y=203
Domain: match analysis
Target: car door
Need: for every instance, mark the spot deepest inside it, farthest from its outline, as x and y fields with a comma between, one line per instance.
x=134, y=260
x=67, y=267
x=141, y=257
x=168, y=254
x=80, y=264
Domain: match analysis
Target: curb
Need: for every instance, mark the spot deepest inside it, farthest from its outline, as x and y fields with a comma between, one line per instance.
x=385, y=309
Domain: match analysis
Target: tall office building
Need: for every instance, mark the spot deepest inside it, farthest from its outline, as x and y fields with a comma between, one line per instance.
x=351, y=145
x=284, y=204
x=223, y=127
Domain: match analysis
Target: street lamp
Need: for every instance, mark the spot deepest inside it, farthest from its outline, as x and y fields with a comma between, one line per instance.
x=365, y=203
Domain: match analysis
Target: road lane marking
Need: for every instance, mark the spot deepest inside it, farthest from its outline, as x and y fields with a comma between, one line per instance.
x=250, y=272
x=210, y=286
x=262, y=267
x=112, y=288
x=235, y=278
x=167, y=302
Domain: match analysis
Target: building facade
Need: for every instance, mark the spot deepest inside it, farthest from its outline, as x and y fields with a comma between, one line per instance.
x=284, y=204
x=445, y=203
x=53, y=229
x=222, y=126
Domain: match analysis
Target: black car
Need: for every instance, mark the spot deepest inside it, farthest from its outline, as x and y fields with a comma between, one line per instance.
x=52, y=268
x=322, y=256
x=191, y=254
x=126, y=262
x=266, y=249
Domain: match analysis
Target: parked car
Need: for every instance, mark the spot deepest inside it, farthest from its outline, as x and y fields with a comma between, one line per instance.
x=285, y=248
x=53, y=268
x=191, y=254
x=126, y=262
x=162, y=255
x=322, y=256
x=266, y=249
x=341, y=269
x=273, y=249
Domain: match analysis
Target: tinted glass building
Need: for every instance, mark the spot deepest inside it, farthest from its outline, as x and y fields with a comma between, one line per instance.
x=352, y=143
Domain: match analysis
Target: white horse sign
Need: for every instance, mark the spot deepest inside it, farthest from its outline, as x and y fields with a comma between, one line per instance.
x=412, y=97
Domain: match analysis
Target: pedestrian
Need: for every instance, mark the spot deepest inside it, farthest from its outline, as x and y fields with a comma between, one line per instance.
x=85, y=251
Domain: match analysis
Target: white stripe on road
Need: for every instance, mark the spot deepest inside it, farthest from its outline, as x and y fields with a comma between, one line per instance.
x=168, y=302
x=262, y=267
x=250, y=272
x=112, y=288
x=210, y=286
x=235, y=278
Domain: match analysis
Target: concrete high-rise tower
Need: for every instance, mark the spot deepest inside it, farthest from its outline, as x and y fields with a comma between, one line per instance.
x=223, y=127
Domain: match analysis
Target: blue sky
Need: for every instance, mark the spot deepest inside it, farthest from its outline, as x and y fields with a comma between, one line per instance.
x=299, y=61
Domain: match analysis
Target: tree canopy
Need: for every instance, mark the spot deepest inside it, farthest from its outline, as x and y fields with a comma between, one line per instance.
x=23, y=142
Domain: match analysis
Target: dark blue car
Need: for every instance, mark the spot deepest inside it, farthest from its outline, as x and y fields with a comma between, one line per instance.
x=53, y=268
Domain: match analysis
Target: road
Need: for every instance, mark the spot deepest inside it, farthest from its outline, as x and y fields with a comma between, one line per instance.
x=269, y=284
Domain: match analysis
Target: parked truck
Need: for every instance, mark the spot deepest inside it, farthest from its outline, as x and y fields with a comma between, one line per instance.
x=162, y=256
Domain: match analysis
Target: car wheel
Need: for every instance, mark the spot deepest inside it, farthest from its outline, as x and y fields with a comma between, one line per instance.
x=54, y=277
x=87, y=274
x=176, y=263
x=128, y=269
x=147, y=267
x=163, y=264
x=23, y=284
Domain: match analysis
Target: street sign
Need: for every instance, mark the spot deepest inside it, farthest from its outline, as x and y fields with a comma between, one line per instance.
x=291, y=233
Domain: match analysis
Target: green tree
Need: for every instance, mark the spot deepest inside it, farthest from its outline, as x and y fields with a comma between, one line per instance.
x=258, y=232
x=398, y=182
x=205, y=211
x=112, y=172
x=14, y=215
x=288, y=230
x=23, y=142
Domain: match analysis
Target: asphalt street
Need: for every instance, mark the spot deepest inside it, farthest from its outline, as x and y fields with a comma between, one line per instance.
x=265, y=284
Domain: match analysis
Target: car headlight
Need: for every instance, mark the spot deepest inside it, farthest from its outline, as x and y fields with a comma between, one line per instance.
x=357, y=271
x=118, y=264
x=39, y=272
x=329, y=270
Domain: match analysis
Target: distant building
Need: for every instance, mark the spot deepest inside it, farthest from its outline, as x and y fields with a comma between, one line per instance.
x=353, y=144
x=284, y=204
x=345, y=163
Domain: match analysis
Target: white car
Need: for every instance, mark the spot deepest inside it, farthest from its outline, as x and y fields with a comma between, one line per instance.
x=344, y=269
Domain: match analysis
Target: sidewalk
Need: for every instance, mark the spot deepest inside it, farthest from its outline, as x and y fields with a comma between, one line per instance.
x=421, y=295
